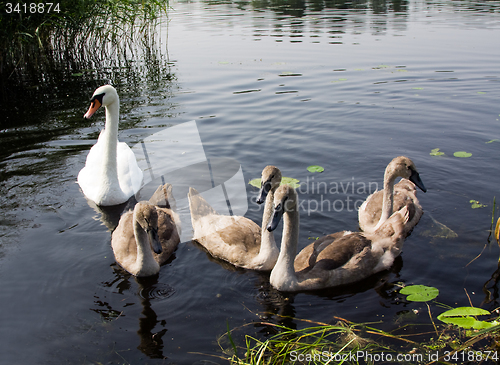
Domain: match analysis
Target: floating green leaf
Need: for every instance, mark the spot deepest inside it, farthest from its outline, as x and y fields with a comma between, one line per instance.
x=315, y=168
x=462, y=154
x=436, y=152
x=78, y=74
x=417, y=88
x=481, y=92
x=419, y=293
x=476, y=204
x=462, y=317
x=294, y=183
x=255, y=182
x=493, y=140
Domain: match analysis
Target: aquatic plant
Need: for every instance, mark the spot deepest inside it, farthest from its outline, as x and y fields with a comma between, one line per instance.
x=41, y=43
x=315, y=168
x=346, y=342
x=284, y=181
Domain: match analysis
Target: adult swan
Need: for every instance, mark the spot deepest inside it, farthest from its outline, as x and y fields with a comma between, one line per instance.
x=111, y=174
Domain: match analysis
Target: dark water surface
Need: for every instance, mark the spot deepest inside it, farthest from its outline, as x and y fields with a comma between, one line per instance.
x=347, y=86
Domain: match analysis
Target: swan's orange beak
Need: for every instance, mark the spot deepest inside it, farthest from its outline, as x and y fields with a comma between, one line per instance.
x=94, y=105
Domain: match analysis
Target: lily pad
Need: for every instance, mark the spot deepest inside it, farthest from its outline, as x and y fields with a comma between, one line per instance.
x=464, y=317
x=315, y=168
x=294, y=183
x=436, y=152
x=419, y=293
x=255, y=182
x=462, y=154
x=476, y=204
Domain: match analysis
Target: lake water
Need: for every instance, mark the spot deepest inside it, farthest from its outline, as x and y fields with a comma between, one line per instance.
x=347, y=86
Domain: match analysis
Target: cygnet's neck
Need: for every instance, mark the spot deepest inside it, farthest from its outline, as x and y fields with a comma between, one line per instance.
x=268, y=252
x=145, y=262
x=283, y=275
x=388, y=197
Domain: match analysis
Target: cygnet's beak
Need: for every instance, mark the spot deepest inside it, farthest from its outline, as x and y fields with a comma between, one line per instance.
x=154, y=240
x=415, y=178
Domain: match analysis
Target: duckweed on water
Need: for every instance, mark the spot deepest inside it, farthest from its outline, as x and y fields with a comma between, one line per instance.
x=476, y=204
x=436, y=152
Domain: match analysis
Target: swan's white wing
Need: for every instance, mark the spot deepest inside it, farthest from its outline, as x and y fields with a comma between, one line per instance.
x=129, y=174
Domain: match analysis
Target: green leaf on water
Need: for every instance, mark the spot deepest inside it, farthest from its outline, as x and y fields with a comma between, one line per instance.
x=481, y=92
x=462, y=154
x=419, y=293
x=255, y=182
x=493, y=140
x=315, y=168
x=436, y=152
x=78, y=74
x=294, y=183
x=476, y=204
x=417, y=88
x=462, y=317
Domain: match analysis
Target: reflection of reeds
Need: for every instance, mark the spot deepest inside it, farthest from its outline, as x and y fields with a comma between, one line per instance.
x=83, y=35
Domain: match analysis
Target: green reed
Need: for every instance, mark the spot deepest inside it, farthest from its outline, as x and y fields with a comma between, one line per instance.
x=39, y=46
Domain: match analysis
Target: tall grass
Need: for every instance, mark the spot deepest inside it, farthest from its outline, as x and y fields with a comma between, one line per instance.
x=38, y=47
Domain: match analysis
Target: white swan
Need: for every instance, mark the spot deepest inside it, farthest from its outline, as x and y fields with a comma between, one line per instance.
x=336, y=259
x=111, y=174
x=379, y=206
x=146, y=229
x=238, y=240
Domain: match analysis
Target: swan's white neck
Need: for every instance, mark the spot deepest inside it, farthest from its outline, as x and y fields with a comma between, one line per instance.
x=111, y=142
x=283, y=275
x=268, y=252
x=145, y=263
x=388, y=198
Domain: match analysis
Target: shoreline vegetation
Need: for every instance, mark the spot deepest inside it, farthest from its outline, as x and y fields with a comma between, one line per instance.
x=45, y=45
x=346, y=342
